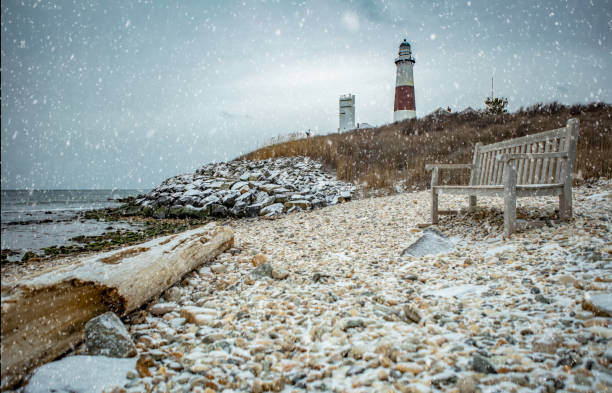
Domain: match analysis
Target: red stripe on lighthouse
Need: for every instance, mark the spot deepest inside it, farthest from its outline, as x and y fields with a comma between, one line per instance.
x=404, y=98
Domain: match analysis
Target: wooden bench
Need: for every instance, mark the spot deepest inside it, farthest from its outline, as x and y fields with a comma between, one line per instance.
x=533, y=165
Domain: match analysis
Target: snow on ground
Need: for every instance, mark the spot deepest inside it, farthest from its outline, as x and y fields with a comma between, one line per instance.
x=354, y=315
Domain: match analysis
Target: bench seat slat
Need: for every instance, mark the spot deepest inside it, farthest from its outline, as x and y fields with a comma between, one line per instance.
x=526, y=190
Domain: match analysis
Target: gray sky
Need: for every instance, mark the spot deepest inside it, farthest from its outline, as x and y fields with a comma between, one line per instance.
x=103, y=94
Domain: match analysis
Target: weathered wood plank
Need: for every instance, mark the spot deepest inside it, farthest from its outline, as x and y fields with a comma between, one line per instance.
x=491, y=167
x=430, y=167
x=538, y=165
x=562, y=147
x=521, y=165
x=529, y=139
x=483, y=168
x=546, y=162
x=525, y=190
x=533, y=156
x=532, y=163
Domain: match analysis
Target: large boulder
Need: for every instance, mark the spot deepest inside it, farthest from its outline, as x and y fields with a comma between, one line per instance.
x=81, y=374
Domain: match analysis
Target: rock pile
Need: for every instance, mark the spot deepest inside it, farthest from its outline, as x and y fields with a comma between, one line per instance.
x=246, y=189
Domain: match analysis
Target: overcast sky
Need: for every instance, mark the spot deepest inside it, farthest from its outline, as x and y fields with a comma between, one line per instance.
x=105, y=94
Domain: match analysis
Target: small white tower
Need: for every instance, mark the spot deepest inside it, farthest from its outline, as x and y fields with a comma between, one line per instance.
x=347, y=112
x=404, y=85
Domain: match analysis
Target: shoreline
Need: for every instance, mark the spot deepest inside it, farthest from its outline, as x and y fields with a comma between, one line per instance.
x=335, y=318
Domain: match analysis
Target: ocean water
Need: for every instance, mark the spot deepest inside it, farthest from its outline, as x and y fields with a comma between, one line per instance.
x=35, y=219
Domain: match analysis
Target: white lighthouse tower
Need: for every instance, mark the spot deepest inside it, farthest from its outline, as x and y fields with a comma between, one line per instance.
x=404, y=85
x=347, y=112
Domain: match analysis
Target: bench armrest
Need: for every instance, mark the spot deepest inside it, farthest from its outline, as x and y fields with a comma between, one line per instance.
x=429, y=167
x=532, y=156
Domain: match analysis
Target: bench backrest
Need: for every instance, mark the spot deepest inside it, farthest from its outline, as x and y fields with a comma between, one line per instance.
x=489, y=171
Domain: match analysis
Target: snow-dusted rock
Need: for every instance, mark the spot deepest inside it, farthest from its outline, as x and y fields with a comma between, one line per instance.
x=105, y=335
x=163, y=308
x=81, y=374
x=274, y=209
x=432, y=242
x=599, y=303
x=246, y=188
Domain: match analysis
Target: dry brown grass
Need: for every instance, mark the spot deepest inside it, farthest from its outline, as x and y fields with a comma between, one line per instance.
x=382, y=156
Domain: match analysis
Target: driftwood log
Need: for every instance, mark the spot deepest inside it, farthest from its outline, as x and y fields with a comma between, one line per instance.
x=45, y=316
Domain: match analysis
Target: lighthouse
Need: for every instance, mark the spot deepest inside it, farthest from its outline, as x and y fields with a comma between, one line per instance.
x=404, y=85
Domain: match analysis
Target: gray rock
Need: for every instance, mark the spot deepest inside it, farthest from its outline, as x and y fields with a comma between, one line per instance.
x=105, y=335
x=264, y=270
x=432, y=242
x=173, y=294
x=239, y=185
x=218, y=268
x=281, y=197
x=354, y=370
x=353, y=323
x=162, y=308
x=252, y=210
x=246, y=198
x=164, y=200
x=542, y=299
x=482, y=365
x=160, y=213
x=218, y=210
x=279, y=273
x=229, y=198
x=276, y=208
x=80, y=374
x=466, y=384
x=547, y=344
x=237, y=211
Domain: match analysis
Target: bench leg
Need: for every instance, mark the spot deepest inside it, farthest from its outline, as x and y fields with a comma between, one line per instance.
x=434, y=207
x=472, y=202
x=509, y=198
x=565, y=204
x=434, y=196
x=509, y=215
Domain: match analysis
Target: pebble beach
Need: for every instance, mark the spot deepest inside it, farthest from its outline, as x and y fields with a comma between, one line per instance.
x=323, y=300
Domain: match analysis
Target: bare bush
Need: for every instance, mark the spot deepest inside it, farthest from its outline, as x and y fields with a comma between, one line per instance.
x=380, y=157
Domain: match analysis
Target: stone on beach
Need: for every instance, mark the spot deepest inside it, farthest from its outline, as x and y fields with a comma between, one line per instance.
x=598, y=303
x=352, y=315
x=162, y=308
x=81, y=374
x=432, y=242
x=482, y=365
x=199, y=315
x=106, y=335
